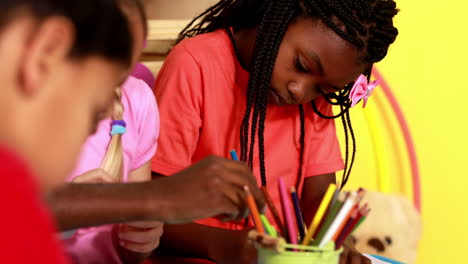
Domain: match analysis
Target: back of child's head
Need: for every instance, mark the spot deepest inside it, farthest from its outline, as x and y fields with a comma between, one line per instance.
x=60, y=80
x=366, y=24
x=97, y=32
x=138, y=6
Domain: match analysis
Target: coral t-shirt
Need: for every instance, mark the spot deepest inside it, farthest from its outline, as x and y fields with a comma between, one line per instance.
x=27, y=230
x=201, y=92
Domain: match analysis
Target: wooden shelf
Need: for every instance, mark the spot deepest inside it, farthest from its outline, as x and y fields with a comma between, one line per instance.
x=162, y=35
x=165, y=29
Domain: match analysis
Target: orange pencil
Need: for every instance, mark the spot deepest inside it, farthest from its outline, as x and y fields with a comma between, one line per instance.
x=254, y=211
x=345, y=222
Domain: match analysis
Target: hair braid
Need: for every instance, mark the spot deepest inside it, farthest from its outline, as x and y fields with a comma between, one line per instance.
x=302, y=142
x=271, y=32
x=113, y=160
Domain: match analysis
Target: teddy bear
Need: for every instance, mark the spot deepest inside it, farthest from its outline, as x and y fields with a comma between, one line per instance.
x=392, y=229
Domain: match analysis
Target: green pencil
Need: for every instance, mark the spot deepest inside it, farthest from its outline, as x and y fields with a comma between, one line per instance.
x=328, y=220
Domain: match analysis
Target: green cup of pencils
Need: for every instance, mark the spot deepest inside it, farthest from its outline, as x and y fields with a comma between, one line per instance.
x=298, y=254
x=339, y=214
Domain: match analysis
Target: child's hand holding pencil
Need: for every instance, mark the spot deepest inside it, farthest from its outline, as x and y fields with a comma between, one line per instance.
x=212, y=187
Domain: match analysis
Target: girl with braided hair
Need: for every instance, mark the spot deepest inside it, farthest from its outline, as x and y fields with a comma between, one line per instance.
x=261, y=76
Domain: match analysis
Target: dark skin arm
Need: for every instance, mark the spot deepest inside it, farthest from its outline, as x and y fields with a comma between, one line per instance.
x=313, y=190
x=84, y=205
x=214, y=186
x=193, y=240
x=220, y=245
x=138, y=240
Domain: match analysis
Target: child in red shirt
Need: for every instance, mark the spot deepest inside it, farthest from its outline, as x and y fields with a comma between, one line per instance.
x=46, y=111
x=261, y=77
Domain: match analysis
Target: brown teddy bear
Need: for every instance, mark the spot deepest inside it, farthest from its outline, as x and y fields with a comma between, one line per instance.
x=392, y=229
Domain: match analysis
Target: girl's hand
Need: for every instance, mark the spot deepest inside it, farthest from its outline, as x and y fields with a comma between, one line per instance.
x=94, y=176
x=351, y=256
x=140, y=237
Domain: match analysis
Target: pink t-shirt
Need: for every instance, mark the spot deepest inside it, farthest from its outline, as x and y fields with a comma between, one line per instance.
x=96, y=245
x=201, y=92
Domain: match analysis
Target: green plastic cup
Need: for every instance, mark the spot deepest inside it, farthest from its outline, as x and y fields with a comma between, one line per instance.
x=298, y=254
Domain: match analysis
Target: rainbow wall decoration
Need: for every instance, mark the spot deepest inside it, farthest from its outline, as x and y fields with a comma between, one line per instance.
x=386, y=156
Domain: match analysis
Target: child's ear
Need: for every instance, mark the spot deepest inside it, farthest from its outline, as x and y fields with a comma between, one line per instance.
x=48, y=48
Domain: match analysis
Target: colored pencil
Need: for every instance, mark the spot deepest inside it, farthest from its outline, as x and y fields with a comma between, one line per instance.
x=287, y=215
x=274, y=211
x=298, y=212
x=234, y=155
x=352, y=216
x=319, y=214
x=343, y=224
x=354, y=211
x=254, y=211
x=268, y=227
x=347, y=230
x=335, y=198
x=328, y=220
x=338, y=220
x=363, y=211
x=363, y=218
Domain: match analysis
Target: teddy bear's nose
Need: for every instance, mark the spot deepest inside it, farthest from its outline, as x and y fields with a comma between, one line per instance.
x=377, y=244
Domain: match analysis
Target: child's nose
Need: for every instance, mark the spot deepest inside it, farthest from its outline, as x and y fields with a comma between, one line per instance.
x=301, y=93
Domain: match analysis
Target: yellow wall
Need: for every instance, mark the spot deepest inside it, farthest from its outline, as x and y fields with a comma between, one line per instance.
x=426, y=70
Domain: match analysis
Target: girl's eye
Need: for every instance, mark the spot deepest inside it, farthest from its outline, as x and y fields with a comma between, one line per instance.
x=299, y=66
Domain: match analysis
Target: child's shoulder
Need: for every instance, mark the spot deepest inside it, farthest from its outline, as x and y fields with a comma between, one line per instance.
x=208, y=46
x=137, y=94
x=136, y=88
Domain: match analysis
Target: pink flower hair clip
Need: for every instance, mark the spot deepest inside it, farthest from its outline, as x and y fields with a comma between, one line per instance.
x=362, y=90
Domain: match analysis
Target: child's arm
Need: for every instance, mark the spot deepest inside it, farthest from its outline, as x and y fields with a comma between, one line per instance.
x=193, y=240
x=181, y=198
x=220, y=245
x=138, y=240
x=312, y=192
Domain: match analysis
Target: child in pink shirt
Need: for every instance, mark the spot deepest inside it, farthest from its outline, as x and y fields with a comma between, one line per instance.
x=138, y=146
x=120, y=151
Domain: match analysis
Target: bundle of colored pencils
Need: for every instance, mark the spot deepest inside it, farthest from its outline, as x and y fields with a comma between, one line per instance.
x=338, y=215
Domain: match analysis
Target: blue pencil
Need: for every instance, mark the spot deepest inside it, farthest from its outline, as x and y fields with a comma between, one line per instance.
x=297, y=210
x=234, y=155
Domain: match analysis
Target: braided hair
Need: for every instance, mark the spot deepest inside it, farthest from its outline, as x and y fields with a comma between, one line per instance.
x=366, y=24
